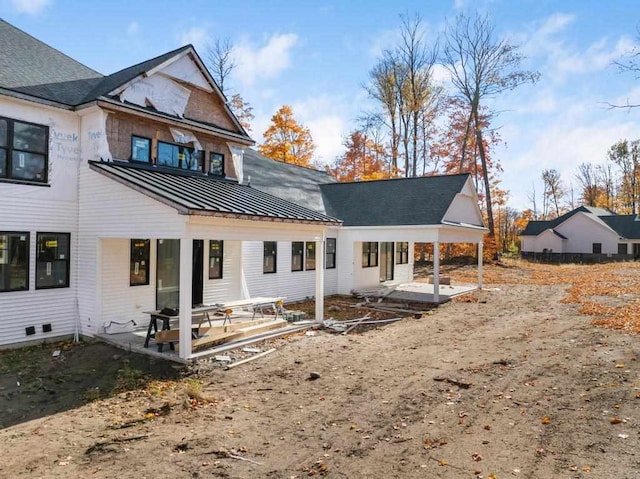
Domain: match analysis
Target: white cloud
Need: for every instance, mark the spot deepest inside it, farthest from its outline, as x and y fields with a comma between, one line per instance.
x=266, y=61
x=196, y=36
x=133, y=28
x=30, y=7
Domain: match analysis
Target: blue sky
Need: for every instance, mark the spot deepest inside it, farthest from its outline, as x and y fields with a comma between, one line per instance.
x=315, y=56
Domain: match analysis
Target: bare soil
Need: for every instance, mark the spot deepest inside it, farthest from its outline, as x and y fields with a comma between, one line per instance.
x=507, y=382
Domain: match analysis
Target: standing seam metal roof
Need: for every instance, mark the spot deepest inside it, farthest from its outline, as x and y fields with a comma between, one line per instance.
x=196, y=192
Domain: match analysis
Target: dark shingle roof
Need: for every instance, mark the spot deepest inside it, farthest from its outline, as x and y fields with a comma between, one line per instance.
x=625, y=225
x=26, y=61
x=76, y=92
x=199, y=194
x=410, y=201
x=284, y=180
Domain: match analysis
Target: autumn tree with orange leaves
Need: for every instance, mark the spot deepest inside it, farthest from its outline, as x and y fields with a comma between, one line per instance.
x=287, y=140
x=364, y=160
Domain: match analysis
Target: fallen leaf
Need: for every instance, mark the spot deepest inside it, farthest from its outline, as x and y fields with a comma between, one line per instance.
x=545, y=420
x=476, y=457
x=586, y=468
x=443, y=463
x=615, y=420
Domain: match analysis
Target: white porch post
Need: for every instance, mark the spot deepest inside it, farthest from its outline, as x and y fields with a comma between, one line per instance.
x=186, y=277
x=436, y=272
x=480, y=264
x=320, y=280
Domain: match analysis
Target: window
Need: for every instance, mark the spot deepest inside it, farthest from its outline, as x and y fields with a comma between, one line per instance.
x=330, y=253
x=597, y=248
x=23, y=150
x=270, y=257
x=310, y=263
x=139, y=264
x=216, y=253
x=369, y=254
x=141, y=149
x=622, y=248
x=179, y=156
x=216, y=164
x=402, y=253
x=297, y=252
x=52, y=260
x=14, y=261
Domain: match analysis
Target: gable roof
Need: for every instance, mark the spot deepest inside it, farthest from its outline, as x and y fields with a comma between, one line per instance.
x=26, y=61
x=297, y=184
x=626, y=226
x=393, y=202
x=198, y=194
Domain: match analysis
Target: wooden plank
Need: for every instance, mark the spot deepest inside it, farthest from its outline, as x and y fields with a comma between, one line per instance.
x=174, y=334
x=214, y=339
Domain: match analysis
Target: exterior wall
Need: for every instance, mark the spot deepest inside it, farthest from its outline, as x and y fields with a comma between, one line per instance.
x=121, y=126
x=229, y=287
x=33, y=208
x=549, y=241
x=582, y=231
x=293, y=285
x=208, y=107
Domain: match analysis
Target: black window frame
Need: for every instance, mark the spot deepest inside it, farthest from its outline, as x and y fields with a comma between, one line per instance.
x=142, y=253
x=9, y=148
x=66, y=260
x=626, y=248
x=297, y=252
x=310, y=262
x=330, y=253
x=25, y=267
x=140, y=137
x=180, y=161
x=219, y=256
x=402, y=252
x=221, y=155
x=270, y=247
x=370, y=254
x=596, y=248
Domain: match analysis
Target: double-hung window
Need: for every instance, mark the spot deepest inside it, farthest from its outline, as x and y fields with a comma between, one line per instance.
x=52, y=260
x=330, y=253
x=297, y=253
x=369, y=254
x=310, y=262
x=139, y=262
x=24, y=151
x=179, y=156
x=270, y=257
x=14, y=261
x=402, y=253
x=216, y=254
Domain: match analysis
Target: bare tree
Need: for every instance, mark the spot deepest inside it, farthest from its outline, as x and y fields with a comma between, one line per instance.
x=481, y=67
x=554, y=190
x=626, y=154
x=629, y=63
x=587, y=178
x=219, y=56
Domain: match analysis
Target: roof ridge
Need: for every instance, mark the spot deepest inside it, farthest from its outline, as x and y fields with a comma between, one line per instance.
x=289, y=164
x=398, y=178
x=149, y=60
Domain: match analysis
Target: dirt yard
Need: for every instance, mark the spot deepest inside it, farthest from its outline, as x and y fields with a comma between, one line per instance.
x=513, y=381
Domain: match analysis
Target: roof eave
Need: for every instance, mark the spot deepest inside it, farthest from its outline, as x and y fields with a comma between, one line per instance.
x=34, y=99
x=273, y=219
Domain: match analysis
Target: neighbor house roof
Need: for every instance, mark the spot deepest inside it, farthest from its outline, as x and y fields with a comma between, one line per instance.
x=393, y=202
x=294, y=183
x=26, y=61
x=198, y=194
x=626, y=226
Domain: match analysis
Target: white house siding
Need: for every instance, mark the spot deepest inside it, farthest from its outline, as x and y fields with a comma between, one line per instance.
x=548, y=240
x=109, y=209
x=582, y=231
x=42, y=209
x=293, y=285
x=229, y=287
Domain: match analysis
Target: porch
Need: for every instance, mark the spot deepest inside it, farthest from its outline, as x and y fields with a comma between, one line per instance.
x=415, y=291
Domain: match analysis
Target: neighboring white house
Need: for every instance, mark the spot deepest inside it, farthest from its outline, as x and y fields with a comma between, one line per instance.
x=131, y=192
x=585, y=233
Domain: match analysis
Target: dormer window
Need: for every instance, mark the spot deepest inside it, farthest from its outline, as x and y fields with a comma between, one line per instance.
x=216, y=164
x=179, y=156
x=24, y=149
